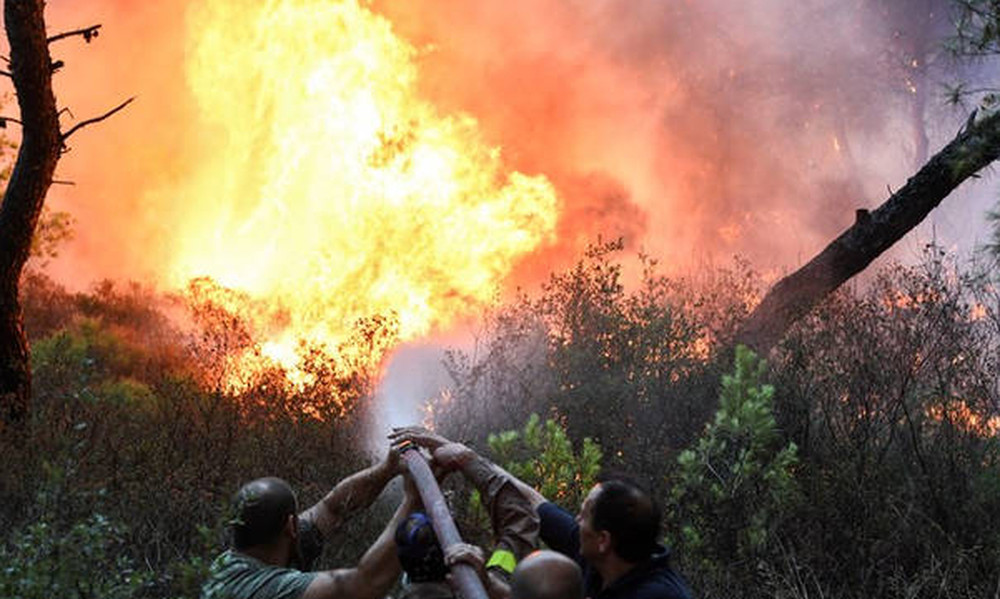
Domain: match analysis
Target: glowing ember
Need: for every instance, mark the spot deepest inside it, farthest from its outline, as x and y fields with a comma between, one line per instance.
x=335, y=192
x=965, y=418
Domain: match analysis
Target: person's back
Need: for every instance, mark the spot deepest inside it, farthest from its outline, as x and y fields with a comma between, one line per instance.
x=238, y=576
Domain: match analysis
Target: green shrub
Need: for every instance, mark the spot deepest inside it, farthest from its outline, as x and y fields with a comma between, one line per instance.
x=733, y=486
x=86, y=353
x=89, y=558
x=542, y=455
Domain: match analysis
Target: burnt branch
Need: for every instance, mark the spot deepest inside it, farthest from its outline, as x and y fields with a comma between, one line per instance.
x=87, y=33
x=96, y=119
x=975, y=147
x=8, y=119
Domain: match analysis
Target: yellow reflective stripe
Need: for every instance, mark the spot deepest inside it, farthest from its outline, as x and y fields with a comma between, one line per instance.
x=502, y=559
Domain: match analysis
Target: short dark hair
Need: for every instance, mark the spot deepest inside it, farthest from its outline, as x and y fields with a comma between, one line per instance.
x=631, y=516
x=418, y=549
x=260, y=509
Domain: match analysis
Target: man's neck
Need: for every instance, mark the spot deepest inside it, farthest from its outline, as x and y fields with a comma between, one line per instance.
x=274, y=555
x=611, y=569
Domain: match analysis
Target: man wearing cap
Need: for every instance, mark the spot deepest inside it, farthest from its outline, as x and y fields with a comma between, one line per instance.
x=272, y=544
x=425, y=575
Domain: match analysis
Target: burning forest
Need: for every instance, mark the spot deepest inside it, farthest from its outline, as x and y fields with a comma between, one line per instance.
x=742, y=252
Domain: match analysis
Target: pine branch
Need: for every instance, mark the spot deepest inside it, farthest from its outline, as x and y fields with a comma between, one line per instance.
x=87, y=33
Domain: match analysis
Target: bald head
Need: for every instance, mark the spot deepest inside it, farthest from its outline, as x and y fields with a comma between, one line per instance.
x=547, y=575
x=261, y=509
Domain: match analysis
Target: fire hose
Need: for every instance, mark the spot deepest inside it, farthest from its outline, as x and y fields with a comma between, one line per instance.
x=464, y=576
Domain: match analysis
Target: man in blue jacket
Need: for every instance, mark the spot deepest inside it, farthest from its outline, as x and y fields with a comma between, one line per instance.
x=614, y=539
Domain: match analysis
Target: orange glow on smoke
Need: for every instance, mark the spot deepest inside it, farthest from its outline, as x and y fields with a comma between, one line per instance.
x=335, y=191
x=302, y=153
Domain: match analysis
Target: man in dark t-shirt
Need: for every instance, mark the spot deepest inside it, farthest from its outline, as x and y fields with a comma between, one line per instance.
x=273, y=543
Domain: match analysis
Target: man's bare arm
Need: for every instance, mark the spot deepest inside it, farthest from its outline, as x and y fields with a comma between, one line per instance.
x=374, y=574
x=351, y=494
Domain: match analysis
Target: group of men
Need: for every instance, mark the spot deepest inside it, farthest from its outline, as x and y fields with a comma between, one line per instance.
x=610, y=550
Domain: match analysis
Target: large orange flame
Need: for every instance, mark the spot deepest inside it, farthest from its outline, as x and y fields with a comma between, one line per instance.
x=332, y=189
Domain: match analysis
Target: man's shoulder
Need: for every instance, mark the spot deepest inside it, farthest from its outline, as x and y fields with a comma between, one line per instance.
x=652, y=579
x=228, y=563
x=660, y=581
x=237, y=576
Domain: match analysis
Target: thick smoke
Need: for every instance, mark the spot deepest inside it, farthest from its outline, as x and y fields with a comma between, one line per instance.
x=707, y=128
x=692, y=129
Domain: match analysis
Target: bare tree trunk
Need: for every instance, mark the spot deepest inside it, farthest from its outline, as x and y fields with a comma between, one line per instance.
x=975, y=147
x=31, y=71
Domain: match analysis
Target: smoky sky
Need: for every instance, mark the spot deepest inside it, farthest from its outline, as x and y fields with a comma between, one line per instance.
x=690, y=128
x=695, y=128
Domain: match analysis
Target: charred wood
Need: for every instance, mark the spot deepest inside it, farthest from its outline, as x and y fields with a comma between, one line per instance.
x=30, y=68
x=791, y=298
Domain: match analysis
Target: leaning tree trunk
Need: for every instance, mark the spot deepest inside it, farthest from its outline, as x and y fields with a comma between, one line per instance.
x=31, y=71
x=975, y=147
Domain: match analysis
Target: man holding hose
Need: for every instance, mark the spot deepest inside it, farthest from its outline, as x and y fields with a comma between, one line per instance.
x=613, y=538
x=272, y=543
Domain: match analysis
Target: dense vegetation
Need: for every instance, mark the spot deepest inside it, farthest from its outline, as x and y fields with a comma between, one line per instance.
x=135, y=447
x=862, y=460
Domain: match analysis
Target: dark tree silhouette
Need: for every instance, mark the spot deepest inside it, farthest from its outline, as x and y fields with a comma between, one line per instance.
x=42, y=142
x=975, y=147
x=31, y=70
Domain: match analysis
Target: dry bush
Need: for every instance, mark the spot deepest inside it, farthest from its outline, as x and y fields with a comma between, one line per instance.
x=890, y=392
x=128, y=424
